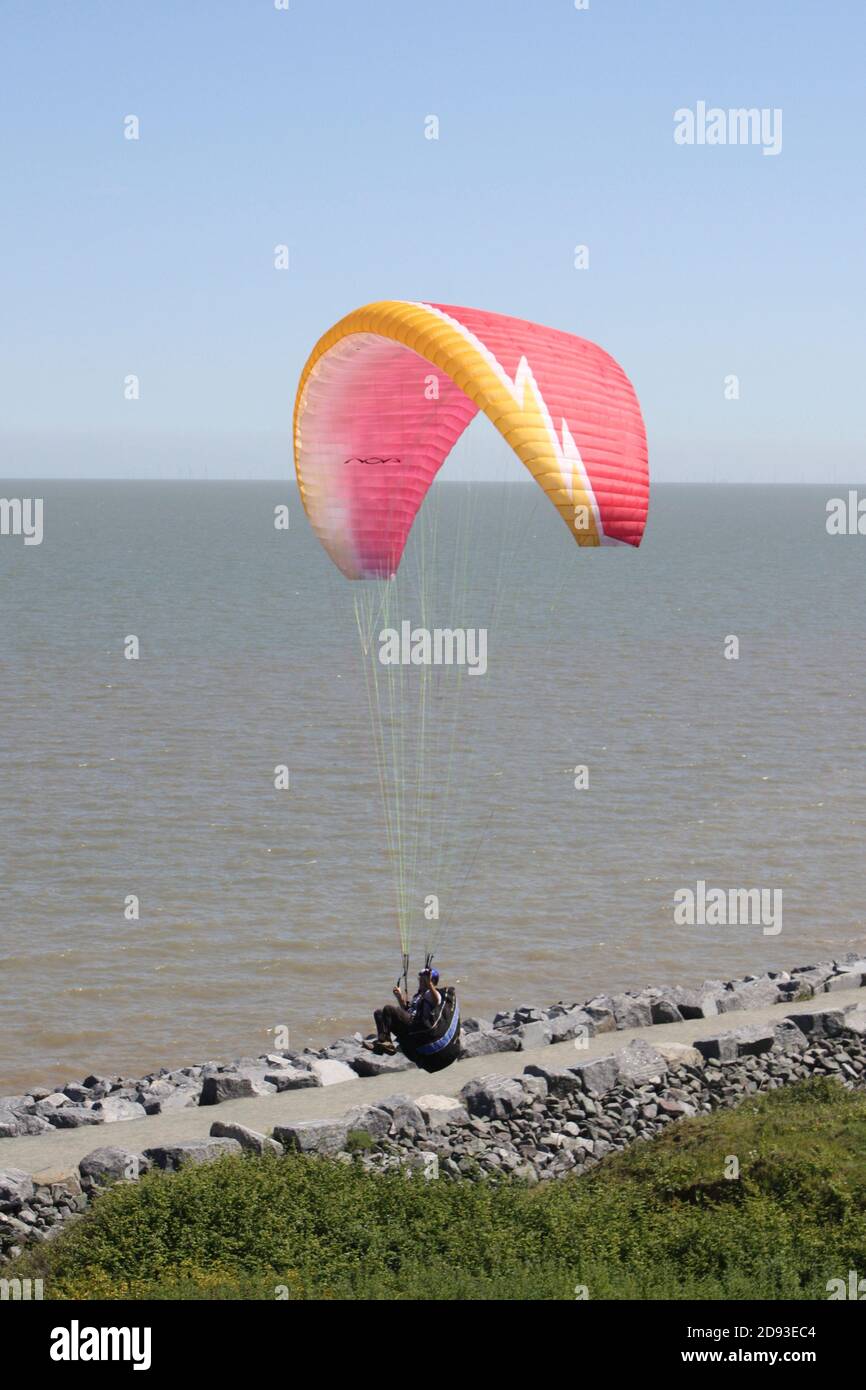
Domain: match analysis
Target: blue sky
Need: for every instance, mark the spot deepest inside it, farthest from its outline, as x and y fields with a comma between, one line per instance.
x=306, y=127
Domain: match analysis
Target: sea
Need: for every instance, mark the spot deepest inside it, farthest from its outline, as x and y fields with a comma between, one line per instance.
x=224, y=820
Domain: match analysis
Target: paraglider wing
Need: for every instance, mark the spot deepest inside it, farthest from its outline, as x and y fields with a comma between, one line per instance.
x=388, y=391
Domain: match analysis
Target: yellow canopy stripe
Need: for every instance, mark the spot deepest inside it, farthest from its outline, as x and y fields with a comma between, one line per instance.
x=525, y=424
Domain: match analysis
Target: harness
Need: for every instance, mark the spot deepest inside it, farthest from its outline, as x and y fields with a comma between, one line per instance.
x=428, y=1049
x=438, y=1045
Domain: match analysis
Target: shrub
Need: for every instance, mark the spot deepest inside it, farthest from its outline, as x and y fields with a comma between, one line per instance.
x=660, y=1220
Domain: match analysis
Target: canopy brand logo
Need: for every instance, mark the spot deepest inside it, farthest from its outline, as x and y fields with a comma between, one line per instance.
x=22, y=516
x=77, y=1343
x=439, y=646
x=729, y=907
x=737, y=126
x=374, y=459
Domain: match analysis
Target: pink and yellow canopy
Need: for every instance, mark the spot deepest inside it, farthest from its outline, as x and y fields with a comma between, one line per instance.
x=387, y=392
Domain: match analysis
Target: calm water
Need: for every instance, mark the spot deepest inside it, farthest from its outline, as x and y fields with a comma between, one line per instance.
x=261, y=908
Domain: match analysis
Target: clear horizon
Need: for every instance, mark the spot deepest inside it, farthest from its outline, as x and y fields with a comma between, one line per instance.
x=307, y=128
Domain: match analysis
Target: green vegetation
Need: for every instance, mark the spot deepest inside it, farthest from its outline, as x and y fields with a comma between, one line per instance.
x=358, y=1140
x=659, y=1221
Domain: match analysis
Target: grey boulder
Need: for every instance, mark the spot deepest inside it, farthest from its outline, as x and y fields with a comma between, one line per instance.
x=330, y=1071
x=680, y=1054
x=257, y=1076
x=849, y=979
x=249, y=1139
x=560, y=1081
x=297, y=1078
x=721, y=1048
x=74, y=1117
x=569, y=1024
x=225, y=1086
x=439, y=1111
x=494, y=1097
x=406, y=1115
x=788, y=1037
x=822, y=1023
x=177, y=1098
x=486, y=1044
x=537, y=1033
x=600, y=1010
x=57, y=1183
x=13, y=1124
x=110, y=1164
x=598, y=1075
x=425, y=1165
x=114, y=1108
x=77, y=1093
x=16, y=1189
x=754, y=1039
x=313, y=1136
x=631, y=1012
x=48, y=1104
x=755, y=994
x=664, y=1010
x=640, y=1062
x=695, y=1003
x=371, y=1064
x=368, y=1119
x=170, y=1157
x=813, y=976
x=16, y=1103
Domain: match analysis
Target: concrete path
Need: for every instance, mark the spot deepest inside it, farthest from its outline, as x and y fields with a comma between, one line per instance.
x=64, y=1148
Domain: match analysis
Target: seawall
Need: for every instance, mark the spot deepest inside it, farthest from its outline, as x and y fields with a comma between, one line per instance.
x=526, y=1103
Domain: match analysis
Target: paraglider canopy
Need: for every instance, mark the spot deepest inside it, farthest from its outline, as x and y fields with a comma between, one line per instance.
x=387, y=392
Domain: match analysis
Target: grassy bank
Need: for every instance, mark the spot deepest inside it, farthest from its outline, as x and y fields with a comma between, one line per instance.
x=659, y=1221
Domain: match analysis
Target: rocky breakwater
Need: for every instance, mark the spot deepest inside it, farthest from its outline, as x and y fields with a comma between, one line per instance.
x=551, y=1121
x=98, y=1100
x=542, y=1124
x=527, y=1027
